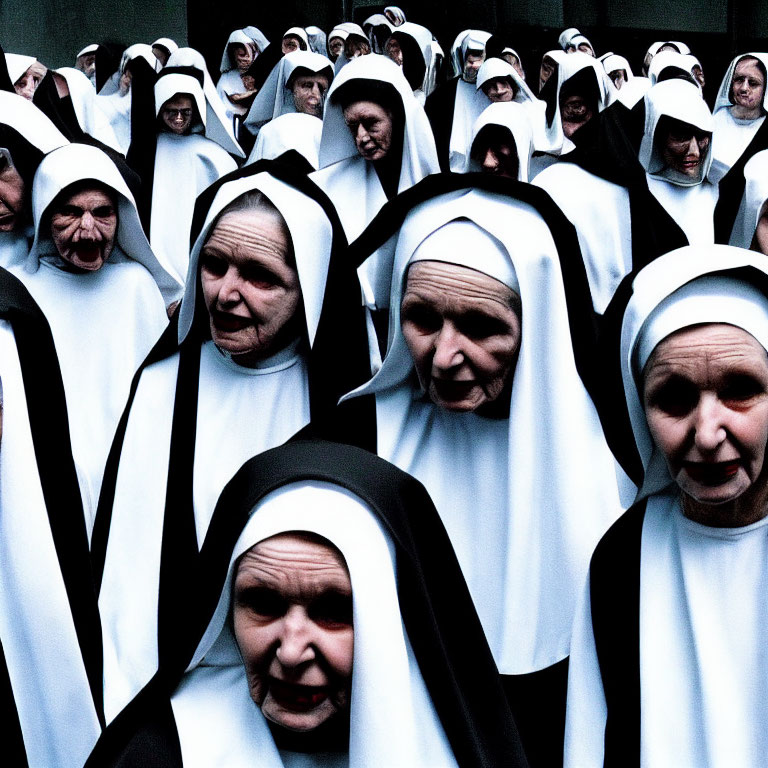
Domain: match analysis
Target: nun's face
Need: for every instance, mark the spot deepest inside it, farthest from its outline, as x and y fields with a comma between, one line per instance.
x=177, y=114
x=292, y=619
x=705, y=395
x=290, y=44
x=499, y=89
x=472, y=65
x=371, y=126
x=496, y=153
x=575, y=111
x=462, y=331
x=84, y=226
x=250, y=286
x=748, y=86
x=12, y=189
x=394, y=51
x=684, y=148
x=618, y=78
x=335, y=47
x=27, y=84
x=309, y=93
x=242, y=57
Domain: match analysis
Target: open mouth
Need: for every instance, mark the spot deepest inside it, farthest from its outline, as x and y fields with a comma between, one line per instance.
x=711, y=474
x=452, y=390
x=298, y=698
x=229, y=323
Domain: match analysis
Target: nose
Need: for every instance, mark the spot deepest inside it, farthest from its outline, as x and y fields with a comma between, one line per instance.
x=87, y=229
x=295, y=641
x=229, y=288
x=362, y=135
x=448, y=348
x=693, y=148
x=710, y=431
x=490, y=161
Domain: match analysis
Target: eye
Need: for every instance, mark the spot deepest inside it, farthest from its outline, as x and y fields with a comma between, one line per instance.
x=259, y=276
x=422, y=317
x=741, y=387
x=478, y=325
x=262, y=602
x=103, y=211
x=675, y=397
x=214, y=265
x=332, y=609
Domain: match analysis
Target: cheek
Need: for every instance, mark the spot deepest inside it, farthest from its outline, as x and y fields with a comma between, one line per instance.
x=420, y=346
x=338, y=650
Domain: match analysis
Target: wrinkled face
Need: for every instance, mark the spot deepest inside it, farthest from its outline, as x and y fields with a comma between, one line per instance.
x=575, y=111
x=471, y=65
x=309, y=94
x=83, y=228
x=241, y=56
x=27, y=84
x=548, y=66
x=87, y=63
x=161, y=54
x=356, y=46
x=499, y=89
x=618, y=78
x=292, y=619
x=177, y=113
x=685, y=148
x=496, y=156
x=462, y=332
x=290, y=44
x=510, y=58
x=748, y=86
x=371, y=126
x=250, y=286
x=335, y=47
x=12, y=190
x=394, y=51
x=706, y=401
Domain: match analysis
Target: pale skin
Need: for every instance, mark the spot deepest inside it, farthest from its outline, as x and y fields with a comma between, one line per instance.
x=462, y=332
x=748, y=90
x=472, y=65
x=250, y=286
x=499, y=89
x=705, y=394
x=292, y=620
x=12, y=190
x=685, y=149
x=575, y=111
x=177, y=114
x=371, y=126
x=83, y=229
x=309, y=93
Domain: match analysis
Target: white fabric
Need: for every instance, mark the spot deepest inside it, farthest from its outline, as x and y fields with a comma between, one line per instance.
x=671, y=60
x=632, y=91
x=117, y=109
x=692, y=207
x=116, y=314
x=543, y=478
x=17, y=65
x=50, y=687
x=257, y=36
x=515, y=118
x=218, y=126
x=494, y=67
x=184, y=167
x=349, y=180
x=176, y=84
x=566, y=36
x=599, y=210
x=241, y=412
x=14, y=247
x=723, y=100
x=613, y=62
x=237, y=37
x=468, y=106
x=35, y=126
x=468, y=40
x=299, y=32
x=393, y=721
x=231, y=81
x=274, y=98
x=92, y=48
x=92, y=120
x=752, y=202
x=167, y=43
x=431, y=52
x=291, y=131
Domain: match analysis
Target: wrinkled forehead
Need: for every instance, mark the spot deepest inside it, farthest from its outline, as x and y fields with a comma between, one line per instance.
x=86, y=187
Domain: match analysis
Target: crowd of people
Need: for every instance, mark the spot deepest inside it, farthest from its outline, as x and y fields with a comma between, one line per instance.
x=379, y=405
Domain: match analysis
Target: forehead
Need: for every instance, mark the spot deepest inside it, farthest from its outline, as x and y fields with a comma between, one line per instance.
x=704, y=348
x=497, y=81
x=93, y=196
x=291, y=561
x=443, y=284
x=260, y=228
x=311, y=77
x=366, y=109
x=179, y=100
x=748, y=67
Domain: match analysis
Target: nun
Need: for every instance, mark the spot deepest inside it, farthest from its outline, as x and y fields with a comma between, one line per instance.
x=336, y=38
x=245, y=365
x=385, y=665
x=102, y=289
x=235, y=86
x=479, y=398
x=618, y=69
x=292, y=138
x=295, y=39
x=26, y=73
x=163, y=47
x=413, y=48
x=668, y=658
x=50, y=682
x=751, y=227
x=85, y=61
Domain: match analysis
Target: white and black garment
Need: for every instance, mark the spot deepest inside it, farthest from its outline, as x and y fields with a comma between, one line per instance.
x=424, y=690
x=231, y=81
x=103, y=322
x=194, y=417
x=753, y=202
x=295, y=132
x=667, y=660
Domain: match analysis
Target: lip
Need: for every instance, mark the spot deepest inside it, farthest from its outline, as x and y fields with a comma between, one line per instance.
x=229, y=323
x=297, y=698
x=712, y=473
x=88, y=253
x=453, y=390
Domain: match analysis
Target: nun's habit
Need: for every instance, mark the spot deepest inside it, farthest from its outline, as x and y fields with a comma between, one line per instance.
x=195, y=415
x=185, y=165
x=752, y=205
x=231, y=81
x=348, y=179
x=49, y=654
x=668, y=656
x=517, y=494
x=732, y=135
x=293, y=132
x=104, y=322
x=455, y=105
x=422, y=57
x=275, y=98
x=515, y=118
x=424, y=688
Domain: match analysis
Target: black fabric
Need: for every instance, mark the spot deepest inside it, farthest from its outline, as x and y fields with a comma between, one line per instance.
x=581, y=315
x=439, y=108
x=14, y=753
x=614, y=584
x=26, y=158
x=108, y=57
x=47, y=410
x=190, y=71
x=59, y=109
x=6, y=84
x=731, y=187
x=265, y=62
x=414, y=66
x=437, y=611
x=537, y=701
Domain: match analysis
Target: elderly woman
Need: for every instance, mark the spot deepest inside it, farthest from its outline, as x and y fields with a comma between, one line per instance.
x=49, y=660
x=668, y=659
x=235, y=86
x=337, y=632
x=479, y=398
x=242, y=370
x=89, y=247
x=26, y=73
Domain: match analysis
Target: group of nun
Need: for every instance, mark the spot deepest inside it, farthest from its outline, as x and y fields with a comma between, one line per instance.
x=370, y=406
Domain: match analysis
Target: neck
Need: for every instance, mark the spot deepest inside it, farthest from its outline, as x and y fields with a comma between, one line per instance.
x=750, y=507
x=332, y=736
x=746, y=113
